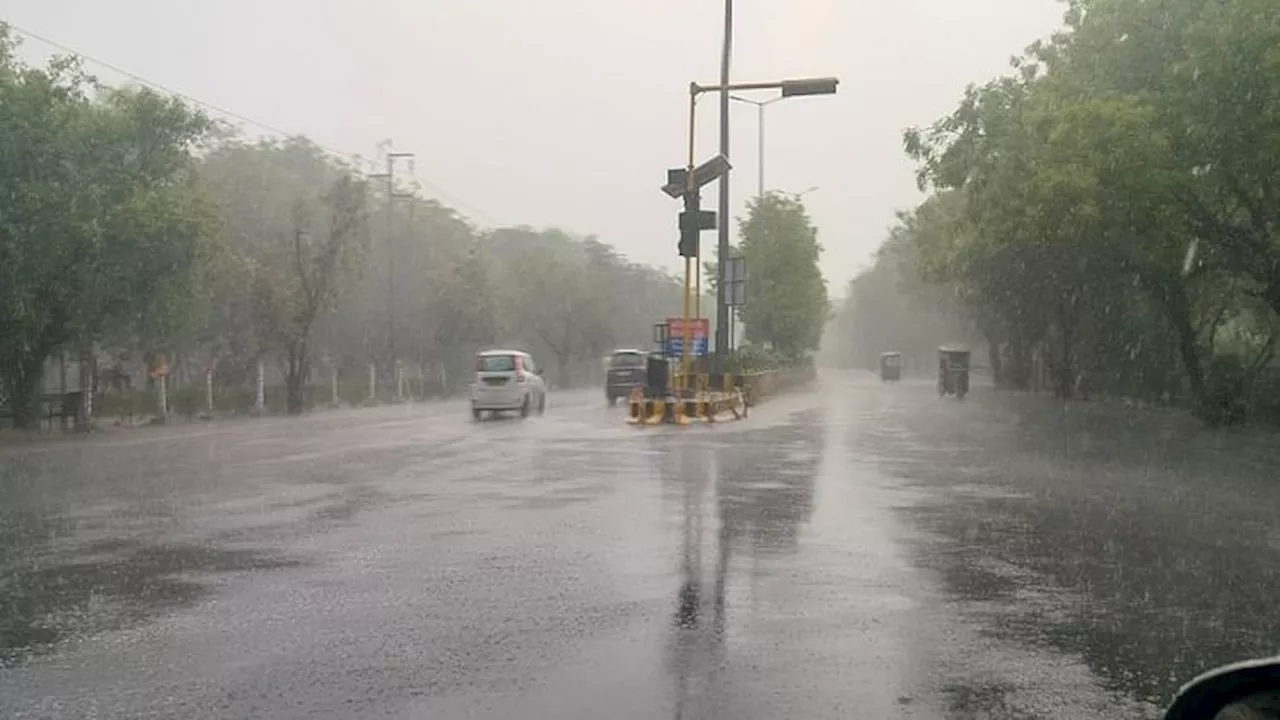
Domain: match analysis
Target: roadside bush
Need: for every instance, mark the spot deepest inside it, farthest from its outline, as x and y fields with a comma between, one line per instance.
x=756, y=358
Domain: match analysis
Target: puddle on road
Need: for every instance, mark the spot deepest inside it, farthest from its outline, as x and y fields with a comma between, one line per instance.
x=113, y=587
x=1138, y=548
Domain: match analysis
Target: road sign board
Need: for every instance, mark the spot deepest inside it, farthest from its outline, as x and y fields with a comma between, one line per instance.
x=699, y=330
x=735, y=281
x=698, y=220
x=736, y=270
x=678, y=178
x=659, y=333
x=735, y=294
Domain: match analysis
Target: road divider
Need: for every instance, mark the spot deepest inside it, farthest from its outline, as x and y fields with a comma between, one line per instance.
x=692, y=398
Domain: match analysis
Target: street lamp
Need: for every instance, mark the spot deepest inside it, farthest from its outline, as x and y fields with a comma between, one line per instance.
x=789, y=88
x=760, y=106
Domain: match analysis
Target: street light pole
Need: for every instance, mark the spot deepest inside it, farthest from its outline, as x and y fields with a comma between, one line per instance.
x=760, y=150
x=390, y=178
x=722, y=226
x=760, y=106
x=789, y=88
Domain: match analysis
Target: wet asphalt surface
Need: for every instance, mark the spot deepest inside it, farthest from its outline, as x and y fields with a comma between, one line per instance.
x=863, y=550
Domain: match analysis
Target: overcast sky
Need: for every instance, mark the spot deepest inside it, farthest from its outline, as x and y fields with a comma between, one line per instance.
x=568, y=112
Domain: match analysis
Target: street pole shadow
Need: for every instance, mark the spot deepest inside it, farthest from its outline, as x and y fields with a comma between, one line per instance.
x=761, y=497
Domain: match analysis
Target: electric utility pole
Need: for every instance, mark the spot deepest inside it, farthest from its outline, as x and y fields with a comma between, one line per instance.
x=390, y=178
x=722, y=246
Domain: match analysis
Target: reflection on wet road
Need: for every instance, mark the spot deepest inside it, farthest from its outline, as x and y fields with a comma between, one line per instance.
x=862, y=551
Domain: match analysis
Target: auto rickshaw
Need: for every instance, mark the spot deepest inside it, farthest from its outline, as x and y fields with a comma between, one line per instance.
x=890, y=366
x=953, y=371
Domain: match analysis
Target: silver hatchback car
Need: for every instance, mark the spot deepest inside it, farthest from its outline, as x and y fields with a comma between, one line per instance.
x=507, y=381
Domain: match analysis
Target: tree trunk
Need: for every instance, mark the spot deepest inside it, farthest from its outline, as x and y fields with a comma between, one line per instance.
x=299, y=372
x=88, y=385
x=997, y=364
x=21, y=379
x=1178, y=306
x=562, y=369
x=1019, y=370
x=1064, y=366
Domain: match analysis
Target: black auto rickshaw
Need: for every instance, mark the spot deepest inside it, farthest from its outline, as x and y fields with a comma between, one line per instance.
x=890, y=366
x=953, y=371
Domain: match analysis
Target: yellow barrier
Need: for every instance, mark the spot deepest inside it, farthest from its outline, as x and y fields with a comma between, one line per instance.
x=699, y=396
x=656, y=416
x=679, y=410
x=635, y=407
x=703, y=404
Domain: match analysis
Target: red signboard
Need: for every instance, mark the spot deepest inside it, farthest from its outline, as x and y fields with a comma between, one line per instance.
x=698, y=327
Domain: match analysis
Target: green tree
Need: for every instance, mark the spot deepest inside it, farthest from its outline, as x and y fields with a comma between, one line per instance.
x=1114, y=193
x=100, y=218
x=551, y=298
x=295, y=228
x=892, y=307
x=786, y=306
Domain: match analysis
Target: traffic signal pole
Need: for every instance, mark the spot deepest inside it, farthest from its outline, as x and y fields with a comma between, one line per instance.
x=692, y=208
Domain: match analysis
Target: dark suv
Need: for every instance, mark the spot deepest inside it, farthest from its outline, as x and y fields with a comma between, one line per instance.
x=626, y=372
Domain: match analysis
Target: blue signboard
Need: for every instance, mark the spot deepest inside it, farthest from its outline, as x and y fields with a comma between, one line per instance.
x=675, y=346
x=699, y=330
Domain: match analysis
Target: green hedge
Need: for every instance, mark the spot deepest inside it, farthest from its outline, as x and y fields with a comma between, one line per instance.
x=754, y=358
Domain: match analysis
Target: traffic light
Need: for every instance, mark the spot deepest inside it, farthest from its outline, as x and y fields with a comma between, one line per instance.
x=693, y=220
x=688, y=243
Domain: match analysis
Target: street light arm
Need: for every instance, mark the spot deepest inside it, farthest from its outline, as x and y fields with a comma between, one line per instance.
x=757, y=103
x=789, y=88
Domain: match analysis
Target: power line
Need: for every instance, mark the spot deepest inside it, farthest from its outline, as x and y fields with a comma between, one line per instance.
x=354, y=157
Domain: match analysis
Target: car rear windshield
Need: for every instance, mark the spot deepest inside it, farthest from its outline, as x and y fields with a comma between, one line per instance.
x=627, y=360
x=495, y=363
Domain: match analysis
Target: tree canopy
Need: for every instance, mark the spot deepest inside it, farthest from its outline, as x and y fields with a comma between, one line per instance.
x=786, y=305
x=100, y=214
x=1111, y=205
x=132, y=227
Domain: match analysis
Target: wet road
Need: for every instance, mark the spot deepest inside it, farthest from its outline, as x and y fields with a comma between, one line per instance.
x=859, y=551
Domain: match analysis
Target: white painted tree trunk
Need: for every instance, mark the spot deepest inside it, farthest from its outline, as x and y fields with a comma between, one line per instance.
x=333, y=385
x=86, y=386
x=208, y=390
x=399, y=382
x=162, y=391
x=373, y=383
x=260, y=401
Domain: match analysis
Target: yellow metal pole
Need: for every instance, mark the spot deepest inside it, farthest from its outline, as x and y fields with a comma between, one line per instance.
x=684, y=338
x=689, y=187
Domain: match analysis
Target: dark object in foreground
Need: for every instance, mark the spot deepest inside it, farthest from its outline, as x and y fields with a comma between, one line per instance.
x=1242, y=691
x=626, y=371
x=657, y=374
x=65, y=408
x=891, y=366
x=953, y=371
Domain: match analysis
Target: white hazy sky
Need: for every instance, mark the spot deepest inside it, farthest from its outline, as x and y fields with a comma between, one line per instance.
x=568, y=112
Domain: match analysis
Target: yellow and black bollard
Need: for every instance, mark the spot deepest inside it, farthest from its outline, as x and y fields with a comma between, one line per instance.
x=635, y=407
x=655, y=415
x=709, y=403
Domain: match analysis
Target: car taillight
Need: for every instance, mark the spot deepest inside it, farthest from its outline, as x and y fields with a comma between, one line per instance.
x=519, y=365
